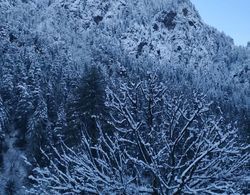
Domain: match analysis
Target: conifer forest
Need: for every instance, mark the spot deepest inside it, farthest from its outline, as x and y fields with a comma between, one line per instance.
x=120, y=97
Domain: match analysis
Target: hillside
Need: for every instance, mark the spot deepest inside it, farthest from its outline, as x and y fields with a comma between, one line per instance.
x=67, y=65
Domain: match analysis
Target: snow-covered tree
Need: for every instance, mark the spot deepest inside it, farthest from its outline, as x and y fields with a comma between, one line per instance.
x=175, y=145
x=3, y=117
x=88, y=106
x=192, y=150
x=49, y=96
x=92, y=99
x=3, y=124
x=60, y=125
x=24, y=108
x=79, y=172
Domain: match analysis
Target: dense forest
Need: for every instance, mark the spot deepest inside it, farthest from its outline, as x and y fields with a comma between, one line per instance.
x=120, y=97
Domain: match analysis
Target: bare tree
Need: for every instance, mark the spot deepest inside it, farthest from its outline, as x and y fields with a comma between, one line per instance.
x=161, y=144
x=79, y=172
x=184, y=146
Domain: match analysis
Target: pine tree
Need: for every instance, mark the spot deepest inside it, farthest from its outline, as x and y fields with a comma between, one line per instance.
x=3, y=121
x=3, y=118
x=72, y=132
x=23, y=109
x=7, y=83
x=87, y=107
x=60, y=125
x=39, y=127
x=38, y=131
x=92, y=100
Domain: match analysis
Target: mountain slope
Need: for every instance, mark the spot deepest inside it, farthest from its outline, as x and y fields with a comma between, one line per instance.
x=169, y=33
x=48, y=46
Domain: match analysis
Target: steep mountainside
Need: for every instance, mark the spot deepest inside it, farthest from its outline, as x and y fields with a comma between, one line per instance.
x=170, y=34
x=69, y=68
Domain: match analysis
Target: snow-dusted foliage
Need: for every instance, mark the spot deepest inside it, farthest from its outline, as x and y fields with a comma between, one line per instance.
x=180, y=144
x=3, y=118
x=3, y=125
x=161, y=144
x=75, y=71
x=170, y=33
x=76, y=172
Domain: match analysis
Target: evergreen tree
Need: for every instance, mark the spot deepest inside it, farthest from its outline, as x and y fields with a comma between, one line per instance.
x=60, y=125
x=92, y=100
x=38, y=131
x=87, y=108
x=3, y=117
x=23, y=109
x=3, y=121
x=39, y=126
x=7, y=83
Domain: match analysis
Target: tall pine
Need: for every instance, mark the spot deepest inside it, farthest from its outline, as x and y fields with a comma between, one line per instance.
x=89, y=106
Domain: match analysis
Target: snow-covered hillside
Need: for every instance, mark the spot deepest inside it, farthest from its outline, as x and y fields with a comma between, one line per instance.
x=171, y=34
x=136, y=69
